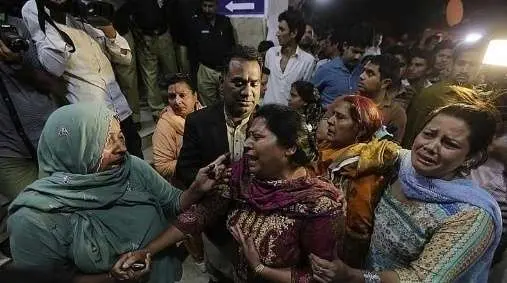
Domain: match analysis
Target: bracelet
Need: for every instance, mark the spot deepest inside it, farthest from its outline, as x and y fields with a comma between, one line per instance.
x=370, y=277
x=259, y=268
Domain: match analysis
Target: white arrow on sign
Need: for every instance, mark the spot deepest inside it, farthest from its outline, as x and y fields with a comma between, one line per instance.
x=231, y=6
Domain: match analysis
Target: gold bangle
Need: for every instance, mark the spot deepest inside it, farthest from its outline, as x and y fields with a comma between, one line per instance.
x=259, y=268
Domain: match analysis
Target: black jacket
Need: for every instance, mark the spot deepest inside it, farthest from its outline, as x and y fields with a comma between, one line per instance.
x=204, y=140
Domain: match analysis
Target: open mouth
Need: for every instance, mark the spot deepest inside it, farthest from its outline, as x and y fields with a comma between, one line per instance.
x=425, y=160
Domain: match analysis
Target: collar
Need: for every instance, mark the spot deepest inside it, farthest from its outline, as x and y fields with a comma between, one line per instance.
x=299, y=52
x=230, y=123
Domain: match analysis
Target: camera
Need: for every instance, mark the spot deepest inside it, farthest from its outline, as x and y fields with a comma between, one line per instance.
x=11, y=38
x=96, y=13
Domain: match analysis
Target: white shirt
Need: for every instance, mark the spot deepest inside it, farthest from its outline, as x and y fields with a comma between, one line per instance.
x=299, y=67
x=87, y=71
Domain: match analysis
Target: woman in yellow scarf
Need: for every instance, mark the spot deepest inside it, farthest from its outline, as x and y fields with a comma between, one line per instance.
x=354, y=157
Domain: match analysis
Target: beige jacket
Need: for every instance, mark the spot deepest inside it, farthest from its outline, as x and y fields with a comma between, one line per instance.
x=167, y=141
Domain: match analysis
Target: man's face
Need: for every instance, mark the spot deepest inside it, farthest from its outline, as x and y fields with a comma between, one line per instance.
x=308, y=32
x=417, y=69
x=284, y=35
x=443, y=59
x=370, y=83
x=352, y=55
x=466, y=67
x=209, y=8
x=242, y=87
x=308, y=38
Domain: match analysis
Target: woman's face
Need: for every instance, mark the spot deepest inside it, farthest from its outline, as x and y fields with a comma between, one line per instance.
x=295, y=101
x=342, y=130
x=441, y=148
x=266, y=159
x=181, y=99
x=114, y=151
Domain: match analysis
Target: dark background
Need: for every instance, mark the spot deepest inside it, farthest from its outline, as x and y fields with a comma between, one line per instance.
x=395, y=17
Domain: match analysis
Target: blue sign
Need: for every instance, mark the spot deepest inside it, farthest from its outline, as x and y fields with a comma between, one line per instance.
x=242, y=8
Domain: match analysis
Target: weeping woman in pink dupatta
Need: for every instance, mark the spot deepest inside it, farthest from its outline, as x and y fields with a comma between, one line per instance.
x=276, y=210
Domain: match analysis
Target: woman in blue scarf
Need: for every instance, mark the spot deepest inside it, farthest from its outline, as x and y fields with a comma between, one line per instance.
x=432, y=224
x=94, y=201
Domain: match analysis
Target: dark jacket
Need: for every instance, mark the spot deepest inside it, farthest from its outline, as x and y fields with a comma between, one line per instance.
x=204, y=140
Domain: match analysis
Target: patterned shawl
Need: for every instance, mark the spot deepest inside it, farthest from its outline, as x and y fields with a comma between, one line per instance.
x=268, y=196
x=431, y=190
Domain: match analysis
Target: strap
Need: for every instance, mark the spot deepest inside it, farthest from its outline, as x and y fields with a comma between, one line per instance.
x=15, y=119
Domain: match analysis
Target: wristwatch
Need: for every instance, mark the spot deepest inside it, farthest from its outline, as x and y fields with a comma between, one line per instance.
x=370, y=277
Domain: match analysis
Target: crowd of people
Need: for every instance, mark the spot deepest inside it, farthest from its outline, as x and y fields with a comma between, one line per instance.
x=328, y=157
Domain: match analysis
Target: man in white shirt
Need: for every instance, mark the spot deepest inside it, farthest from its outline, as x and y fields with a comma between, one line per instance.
x=288, y=63
x=80, y=54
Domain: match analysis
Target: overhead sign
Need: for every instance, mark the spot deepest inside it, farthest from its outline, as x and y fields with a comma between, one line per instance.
x=242, y=8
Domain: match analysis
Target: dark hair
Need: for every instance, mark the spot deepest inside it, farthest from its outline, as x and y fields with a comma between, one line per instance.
x=242, y=52
x=398, y=50
x=419, y=53
x=446, y=44
x=389, y=68
x=295, y=22
x=288, y=126
x=306, y=91
x=365, y=113
x=265, y=45
x=481, y=120
x=358, y=36
x=180, y=78
x=335, y=37
x=266, y=71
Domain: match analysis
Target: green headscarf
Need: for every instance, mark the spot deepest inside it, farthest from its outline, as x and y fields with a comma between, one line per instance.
x=111, y=212
x=73, y=139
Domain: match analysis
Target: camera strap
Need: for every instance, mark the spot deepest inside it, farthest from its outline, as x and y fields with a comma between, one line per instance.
x=43, y=17
x=15, y=119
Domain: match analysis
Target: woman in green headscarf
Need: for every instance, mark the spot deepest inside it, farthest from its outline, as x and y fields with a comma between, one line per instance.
x=94, y=201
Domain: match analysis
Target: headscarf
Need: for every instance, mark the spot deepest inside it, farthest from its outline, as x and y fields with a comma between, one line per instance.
x=99, y=203
x=418, y=187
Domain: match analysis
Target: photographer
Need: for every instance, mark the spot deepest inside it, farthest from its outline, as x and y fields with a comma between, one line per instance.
x=25, y=104
x=80, y=53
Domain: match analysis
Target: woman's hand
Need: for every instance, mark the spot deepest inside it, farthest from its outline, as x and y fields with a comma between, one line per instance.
x=326, y=271
x=213, y=174
x=248, y=246
x=126, y=268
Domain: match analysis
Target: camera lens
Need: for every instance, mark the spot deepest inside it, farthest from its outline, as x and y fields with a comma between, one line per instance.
x=18, y=45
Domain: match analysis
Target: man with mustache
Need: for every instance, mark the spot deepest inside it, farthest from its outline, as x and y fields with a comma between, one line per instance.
x=341, y=75
x=465, y=69
x=380, y=82
x=216, y=130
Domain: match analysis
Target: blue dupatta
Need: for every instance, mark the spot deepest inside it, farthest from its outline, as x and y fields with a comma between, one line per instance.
x=432, y=190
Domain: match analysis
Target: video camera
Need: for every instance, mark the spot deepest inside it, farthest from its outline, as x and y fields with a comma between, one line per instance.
x=9, y=34
x=96, y=13
x=11, y=38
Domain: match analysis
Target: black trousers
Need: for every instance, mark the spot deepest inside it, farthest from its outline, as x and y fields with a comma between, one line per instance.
x=132, y=138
